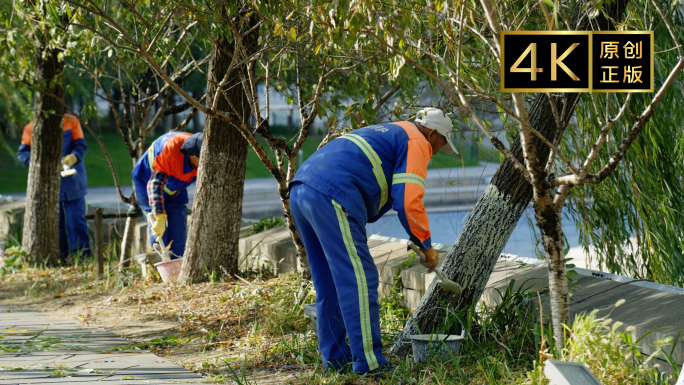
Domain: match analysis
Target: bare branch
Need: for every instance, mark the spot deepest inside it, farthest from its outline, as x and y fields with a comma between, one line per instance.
x=637, y=127
x=159, y=114
x=383, y=99
x=113, y=24
x=182, y=107
x=463, y=103
x=669, y=28
x=154, y=40
x=490, y=12
x=186, y=121
x=596, y=147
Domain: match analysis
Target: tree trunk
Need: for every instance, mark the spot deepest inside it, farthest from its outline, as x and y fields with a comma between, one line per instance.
x=127, y=242
x=41, y=221
x=217, y=211
x=549, y=223
x=471, y=260
x=302, y=261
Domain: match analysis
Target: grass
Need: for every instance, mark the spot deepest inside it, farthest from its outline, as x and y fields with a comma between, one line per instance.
x=252, y=326
x=99, y=174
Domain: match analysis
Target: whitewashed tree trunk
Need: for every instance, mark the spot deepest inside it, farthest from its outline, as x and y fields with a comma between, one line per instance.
x=473, y=256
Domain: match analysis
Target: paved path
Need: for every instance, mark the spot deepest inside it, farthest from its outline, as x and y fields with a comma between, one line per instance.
x=35, y=362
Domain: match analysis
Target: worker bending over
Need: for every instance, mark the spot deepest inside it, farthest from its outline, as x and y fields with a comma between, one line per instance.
x=160, y=179
x=73, y=229
x=350, y=182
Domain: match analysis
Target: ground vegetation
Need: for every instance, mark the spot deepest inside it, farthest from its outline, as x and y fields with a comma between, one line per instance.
x=252, y=329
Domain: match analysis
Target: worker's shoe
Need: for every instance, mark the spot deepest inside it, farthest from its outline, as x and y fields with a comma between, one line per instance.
x=382, y=371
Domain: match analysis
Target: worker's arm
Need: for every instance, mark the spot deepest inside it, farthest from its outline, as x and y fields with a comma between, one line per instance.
x=155, y=192
x=24, y=152
x=408, y=189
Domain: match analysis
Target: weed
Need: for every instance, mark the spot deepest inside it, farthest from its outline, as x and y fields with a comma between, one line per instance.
x=393, y=310
x=34, y=344
x=157, y=343
x=264, y=224
x=614, y=356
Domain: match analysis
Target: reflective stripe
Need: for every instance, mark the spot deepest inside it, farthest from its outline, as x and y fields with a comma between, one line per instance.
x=150, y=156
x=361, y=286
x=375, y=161
x=150, y=160
x=408, y=178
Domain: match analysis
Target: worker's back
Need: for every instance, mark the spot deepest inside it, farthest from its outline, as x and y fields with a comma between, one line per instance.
x=344, y=170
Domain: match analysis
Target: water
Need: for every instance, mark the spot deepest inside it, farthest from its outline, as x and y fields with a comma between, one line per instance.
x=446, y=227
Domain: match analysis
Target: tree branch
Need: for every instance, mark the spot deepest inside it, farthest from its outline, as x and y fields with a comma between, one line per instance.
x=637, y=127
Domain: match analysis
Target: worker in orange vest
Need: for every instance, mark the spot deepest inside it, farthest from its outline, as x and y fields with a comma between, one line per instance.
x=160, y=179
x=73, y=229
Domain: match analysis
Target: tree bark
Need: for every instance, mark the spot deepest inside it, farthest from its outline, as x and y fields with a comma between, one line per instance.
x=217, y=210
x=127, y=242
x=41, y=222
x=548, y=217
x=473, y=256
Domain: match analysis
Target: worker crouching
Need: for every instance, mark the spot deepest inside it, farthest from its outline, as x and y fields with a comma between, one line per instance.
x=73, y=229
x=161, y=178
x=348, y=183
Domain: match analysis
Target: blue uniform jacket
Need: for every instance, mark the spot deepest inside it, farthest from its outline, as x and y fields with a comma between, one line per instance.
x=166, y=156
x=75, y=186
x=353, y=172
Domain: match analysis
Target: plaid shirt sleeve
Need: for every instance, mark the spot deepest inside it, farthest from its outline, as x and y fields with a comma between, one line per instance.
x=155, y=192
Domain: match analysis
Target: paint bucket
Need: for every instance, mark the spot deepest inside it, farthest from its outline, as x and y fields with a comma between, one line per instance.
x=439, y=345
x=169, y=270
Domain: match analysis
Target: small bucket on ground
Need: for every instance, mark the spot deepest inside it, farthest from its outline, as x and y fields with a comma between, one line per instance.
x=168, y=271
x=439, y=345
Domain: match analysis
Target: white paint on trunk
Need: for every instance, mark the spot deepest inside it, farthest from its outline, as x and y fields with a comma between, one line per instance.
x=470, y=261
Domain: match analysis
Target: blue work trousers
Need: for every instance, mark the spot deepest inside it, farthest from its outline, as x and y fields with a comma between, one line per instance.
x=176, y=214
x=345, y=277
x=73, y=229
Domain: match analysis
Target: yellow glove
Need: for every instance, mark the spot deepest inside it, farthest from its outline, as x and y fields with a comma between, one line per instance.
x=159, y=225
x=432, y=257
x=69, y=160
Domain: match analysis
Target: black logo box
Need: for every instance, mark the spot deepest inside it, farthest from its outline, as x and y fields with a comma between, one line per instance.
x=583, y=62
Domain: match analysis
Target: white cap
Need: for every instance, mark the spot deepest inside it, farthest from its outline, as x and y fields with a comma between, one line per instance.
x=435, y=119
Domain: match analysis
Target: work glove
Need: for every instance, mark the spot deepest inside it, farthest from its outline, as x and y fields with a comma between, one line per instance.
x=159, y=225
x=69, y=160
x=432, y=257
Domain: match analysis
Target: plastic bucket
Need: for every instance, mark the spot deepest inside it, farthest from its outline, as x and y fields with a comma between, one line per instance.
x=169, y=270
x=439, y=345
